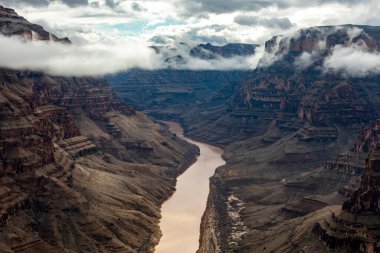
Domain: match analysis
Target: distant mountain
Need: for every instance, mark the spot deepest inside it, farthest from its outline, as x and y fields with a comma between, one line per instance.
x=179, y=55
x=209, y=51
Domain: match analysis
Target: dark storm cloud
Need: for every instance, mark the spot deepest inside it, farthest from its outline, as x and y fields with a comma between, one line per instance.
x=216, y=6
x=246, y=20
x=111, y=3
x=75, y=3
x=137, y=7
x=283, y=23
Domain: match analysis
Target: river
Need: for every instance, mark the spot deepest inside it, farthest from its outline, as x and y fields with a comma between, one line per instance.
x=182, y=213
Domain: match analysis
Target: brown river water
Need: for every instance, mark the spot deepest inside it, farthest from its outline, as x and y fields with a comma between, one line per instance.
x=182, y=213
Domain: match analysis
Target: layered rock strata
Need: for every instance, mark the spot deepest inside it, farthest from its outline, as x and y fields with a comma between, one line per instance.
x=357, y=225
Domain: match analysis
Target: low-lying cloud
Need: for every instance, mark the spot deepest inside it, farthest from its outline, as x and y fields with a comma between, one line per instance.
x=351, y=58
x=102, y=59
x=220, y=63
x=354, y=61
x=74, y=60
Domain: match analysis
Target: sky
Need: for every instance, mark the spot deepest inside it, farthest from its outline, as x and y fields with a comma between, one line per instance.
x=106, y=27
x=190, y=21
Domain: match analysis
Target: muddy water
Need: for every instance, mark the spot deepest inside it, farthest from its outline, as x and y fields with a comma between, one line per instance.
x=182, y=213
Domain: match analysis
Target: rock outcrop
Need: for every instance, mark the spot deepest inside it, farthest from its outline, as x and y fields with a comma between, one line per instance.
x=357, y=225
x=368, y=138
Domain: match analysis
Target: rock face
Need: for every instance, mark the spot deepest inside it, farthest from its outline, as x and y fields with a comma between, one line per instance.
x=366, y=198
x=357, y=225
x=80, y=171
x=368, y=138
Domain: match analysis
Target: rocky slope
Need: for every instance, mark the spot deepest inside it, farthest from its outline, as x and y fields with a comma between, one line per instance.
x=352, y=227
x=80, y=171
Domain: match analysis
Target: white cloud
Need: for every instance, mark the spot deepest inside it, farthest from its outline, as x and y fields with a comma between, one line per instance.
x=97, y=24
x=355, y=60
x=73, y=60
x=233, y=63
x=102, y=59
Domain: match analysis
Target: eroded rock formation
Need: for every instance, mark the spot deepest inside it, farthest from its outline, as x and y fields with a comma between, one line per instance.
x=357, y=225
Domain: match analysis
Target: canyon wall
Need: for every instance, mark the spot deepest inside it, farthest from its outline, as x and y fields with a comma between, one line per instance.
x=80, y=170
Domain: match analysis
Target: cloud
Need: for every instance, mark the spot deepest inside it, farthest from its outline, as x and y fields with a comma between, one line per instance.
x=306, y=59
x=158, y=39
x=190, y=7
x=190, y=21
x=75, y=3
x=216, y=6
x=233, y=63
x=73, y=60
x=246, y=20
x=103, y=59
x=137, y=7
x=355, y=61
x=41, y=3
x=37, y=3
x=283, y=23
x=111, y=3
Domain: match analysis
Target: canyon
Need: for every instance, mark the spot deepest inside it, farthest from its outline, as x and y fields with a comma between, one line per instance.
x=295, y=141
x=85, y=169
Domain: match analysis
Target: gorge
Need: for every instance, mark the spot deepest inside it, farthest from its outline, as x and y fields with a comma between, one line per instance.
x=102, y=164
x=295, y=139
